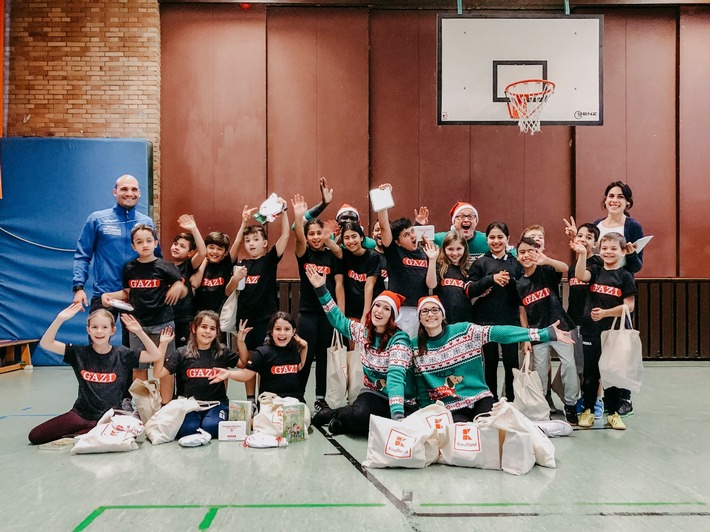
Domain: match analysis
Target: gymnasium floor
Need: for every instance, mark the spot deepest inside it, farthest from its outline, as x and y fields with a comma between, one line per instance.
x=654, y=476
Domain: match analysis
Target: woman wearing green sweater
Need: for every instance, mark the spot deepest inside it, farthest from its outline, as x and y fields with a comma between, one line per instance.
x=448, y=366
x=386, y=354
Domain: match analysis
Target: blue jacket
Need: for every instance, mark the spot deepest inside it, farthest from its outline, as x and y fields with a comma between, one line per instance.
x=106, y=238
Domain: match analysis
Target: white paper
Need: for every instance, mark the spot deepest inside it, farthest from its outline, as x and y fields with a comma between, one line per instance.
x=121, y=305
x=381, y=199
x=424, y=230
x=641, y=243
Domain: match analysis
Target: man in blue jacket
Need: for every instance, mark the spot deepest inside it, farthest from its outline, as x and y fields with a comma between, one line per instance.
x=106, y=240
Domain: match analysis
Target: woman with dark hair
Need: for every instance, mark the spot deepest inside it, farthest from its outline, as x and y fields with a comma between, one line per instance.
x=448, y=365
x=386, y=355
x=361, y=269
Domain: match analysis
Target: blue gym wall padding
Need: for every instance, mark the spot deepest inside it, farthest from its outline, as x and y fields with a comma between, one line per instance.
x=49, y=187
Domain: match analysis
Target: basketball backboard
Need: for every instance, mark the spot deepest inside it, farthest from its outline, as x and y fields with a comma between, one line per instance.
x=480, y=56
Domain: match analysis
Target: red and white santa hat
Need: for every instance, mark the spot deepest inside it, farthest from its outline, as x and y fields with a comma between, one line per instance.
x=430, y=299
x=393, y=299
x=458, y=207
x=346, y=208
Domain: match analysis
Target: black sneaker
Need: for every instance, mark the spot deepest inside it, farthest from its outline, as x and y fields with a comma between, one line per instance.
x=335, y=426
x=571, y=414
x=319, y=404
x=323, y=416
x=626, y=408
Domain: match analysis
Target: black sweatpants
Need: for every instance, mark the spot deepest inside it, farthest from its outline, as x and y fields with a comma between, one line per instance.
x=490, y=365
x=465, y=415
x=315, y=329
x=612, y=396
x=356, y=417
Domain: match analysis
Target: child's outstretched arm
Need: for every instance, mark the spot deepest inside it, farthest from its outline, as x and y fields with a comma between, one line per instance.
x=285, y=231
x=299, y=210
x=122, y=295
x=302, y=350
x=432, y=252
x=177, y=291
x=239, y=273
x=580, y=269
x=247, y=213
x=166, y=336
x=239, y=375
x=48, y=341
x=187, y=223
x=329, y=229
x=196, y=279
x=151, y=353
x=558, y=265
x=384, y=218
x=241, y=341
x=614, y=312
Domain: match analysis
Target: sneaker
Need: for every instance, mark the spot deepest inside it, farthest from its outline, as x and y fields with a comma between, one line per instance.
x=598, y=408
x=615, y=422
x=335, y=426
x=571, y=414
x=580, y=405
x=555, y=428
x=323, y=416
x=586, y=419
x=319, y=404
x=626, y=408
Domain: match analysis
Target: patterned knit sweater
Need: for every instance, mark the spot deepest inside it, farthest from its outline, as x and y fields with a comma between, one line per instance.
x=388, y=371
x=451, y=371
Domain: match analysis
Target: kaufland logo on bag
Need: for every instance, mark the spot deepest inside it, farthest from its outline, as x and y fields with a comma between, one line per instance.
x=467, y=438
x=399, y=445
x=439, y=421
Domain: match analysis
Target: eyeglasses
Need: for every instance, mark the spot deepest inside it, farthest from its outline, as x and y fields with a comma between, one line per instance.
x=465, y=217
x=433, y=311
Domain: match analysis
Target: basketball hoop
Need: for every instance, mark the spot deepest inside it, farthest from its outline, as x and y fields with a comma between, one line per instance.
x=526, y=99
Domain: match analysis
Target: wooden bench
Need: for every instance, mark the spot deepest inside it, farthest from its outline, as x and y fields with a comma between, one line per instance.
x=9, y=361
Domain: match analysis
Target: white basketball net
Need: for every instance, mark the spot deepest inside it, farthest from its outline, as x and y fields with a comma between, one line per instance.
x=526, y=100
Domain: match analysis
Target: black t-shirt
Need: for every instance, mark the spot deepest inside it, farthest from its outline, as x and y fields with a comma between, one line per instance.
x=538, y=294
x=453, y=290
x=278, y=369
x=149, y=282
x=327, y=264
x=258, y=300
x=407, y=273
x=579, y=290
x=193, y=374
x=607, y=289
x=183, y=309
x=103, y=379
x=501, y=305
x=356, y=270
x=380, y=283
x=210, y=294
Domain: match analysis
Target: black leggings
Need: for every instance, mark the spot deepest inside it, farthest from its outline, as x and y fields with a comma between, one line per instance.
x=490, y=364
x=315, y=329
x=464, y=415
x=590, y=387
x=356, y=417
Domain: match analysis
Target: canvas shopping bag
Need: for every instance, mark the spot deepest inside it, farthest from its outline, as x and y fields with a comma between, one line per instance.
x=470, y=445
x=435, y=416
x=269, y=420
x=114, y=433
x=621, y=361
x=529, y=397
x=506, y=417
x=146, y=397
x=517, y=454
x=336, y=384
x=228, y=313
x=166, y=422
x=398, y=444
x=356, y=375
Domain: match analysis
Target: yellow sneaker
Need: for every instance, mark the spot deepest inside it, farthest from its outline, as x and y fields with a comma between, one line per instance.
x=615, y=422
x=586, y=419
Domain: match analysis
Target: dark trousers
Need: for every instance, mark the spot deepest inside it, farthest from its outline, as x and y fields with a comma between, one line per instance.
x=356, y=417
x=67, y=424
x=490, y=365
x=207, y=420
x=315, y=329
x=612, y=396
x=464, y=415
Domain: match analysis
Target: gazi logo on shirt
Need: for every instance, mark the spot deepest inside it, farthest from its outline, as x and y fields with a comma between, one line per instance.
x=419, y=263
x=573, y=281
x=323, y=270
x=92, y=376
x=284, y=369
x=217, y=281
x=399, y=445
x=360, y=277
x=251, y=279
x=144, y=283
x=605, y=289
x=200, y=373
x=536, y=296
x=453, y=282
x=467, y=438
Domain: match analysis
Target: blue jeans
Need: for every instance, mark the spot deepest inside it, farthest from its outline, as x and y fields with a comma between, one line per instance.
x=207, y=420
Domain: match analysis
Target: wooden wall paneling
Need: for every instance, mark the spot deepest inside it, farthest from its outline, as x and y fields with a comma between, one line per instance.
x=651, y=132
x=292, y=120
x=704, y=321
x=600, y=151
x=668, y=303
x=693, y=320
x=681, y=321
x=654, y=320
x=694, y=190
x=394, y=106
x=444, y=151
x=640, y=315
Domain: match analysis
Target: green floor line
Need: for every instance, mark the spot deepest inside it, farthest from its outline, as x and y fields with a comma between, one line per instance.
x=213, y=508
x=507, y=504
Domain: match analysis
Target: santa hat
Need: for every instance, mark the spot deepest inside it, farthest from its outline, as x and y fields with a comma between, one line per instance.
x=393, y=299
x=346, y=208
x=458, y=207
x=430, y=299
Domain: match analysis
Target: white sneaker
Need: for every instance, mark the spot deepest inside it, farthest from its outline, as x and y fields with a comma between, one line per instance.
x=555, y=428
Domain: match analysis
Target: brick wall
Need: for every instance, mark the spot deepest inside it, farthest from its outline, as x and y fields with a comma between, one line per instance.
x=86, y=68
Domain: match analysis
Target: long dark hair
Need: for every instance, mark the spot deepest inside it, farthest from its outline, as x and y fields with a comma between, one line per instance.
x=625, y=190
x=217, y=346
x=280, y=315
x=423, y=338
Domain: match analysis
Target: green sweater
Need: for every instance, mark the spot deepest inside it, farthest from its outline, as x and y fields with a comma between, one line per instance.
x=388, y=372
x=451, y=371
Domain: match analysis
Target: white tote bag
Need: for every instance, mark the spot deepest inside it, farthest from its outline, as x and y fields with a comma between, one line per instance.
x=228, y=313
x=146, y=397
x=529, y=397
x=166, y=422
x=356, y=375
x=506, y=417
x=470, y=445
x=621, y=361
x=269, y=420
x=517, y=456
x=114, y=433
x=336, y=383
x=398, y=444
x=435, y=416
